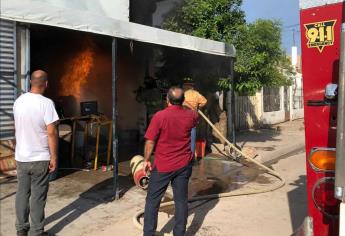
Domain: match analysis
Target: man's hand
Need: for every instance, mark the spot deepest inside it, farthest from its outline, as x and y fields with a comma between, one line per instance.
x=147, y=166
x=52, y=143
x=52, y=164
x=148, y=149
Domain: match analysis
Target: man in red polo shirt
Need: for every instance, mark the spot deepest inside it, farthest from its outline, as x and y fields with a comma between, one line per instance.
x=169, y=132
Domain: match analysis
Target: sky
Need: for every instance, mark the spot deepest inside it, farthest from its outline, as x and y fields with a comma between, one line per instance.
x=287, y=11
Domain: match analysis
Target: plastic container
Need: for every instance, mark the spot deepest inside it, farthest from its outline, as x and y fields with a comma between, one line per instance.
x=200, y=147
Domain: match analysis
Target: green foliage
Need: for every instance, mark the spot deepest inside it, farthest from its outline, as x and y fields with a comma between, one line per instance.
x=212, y=19
x=260, y=59
x=224, y=83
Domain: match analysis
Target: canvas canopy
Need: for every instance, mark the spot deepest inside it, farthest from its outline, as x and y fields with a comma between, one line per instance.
x=45, y=13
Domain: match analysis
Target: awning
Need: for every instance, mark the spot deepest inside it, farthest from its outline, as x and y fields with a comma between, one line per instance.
x=38, y=12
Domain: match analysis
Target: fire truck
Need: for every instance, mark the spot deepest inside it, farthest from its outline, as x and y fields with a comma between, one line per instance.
x=323, y=52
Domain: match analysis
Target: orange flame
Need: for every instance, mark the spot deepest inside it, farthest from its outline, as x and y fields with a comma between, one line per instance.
x=76, y=73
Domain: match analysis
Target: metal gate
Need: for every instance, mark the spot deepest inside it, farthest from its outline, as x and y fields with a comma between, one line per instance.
x=271, y=99
x=8, y=78
x=287, y=102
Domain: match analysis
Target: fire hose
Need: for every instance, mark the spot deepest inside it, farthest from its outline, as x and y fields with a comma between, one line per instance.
x=231, y=147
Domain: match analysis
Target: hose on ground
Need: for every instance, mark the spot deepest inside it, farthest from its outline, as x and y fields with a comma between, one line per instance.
x=232, y=147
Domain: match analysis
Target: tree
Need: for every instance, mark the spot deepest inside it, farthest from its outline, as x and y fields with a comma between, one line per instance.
x=260, y=59
x=211, y=19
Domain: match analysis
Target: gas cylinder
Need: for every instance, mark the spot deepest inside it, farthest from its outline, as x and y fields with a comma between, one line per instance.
x=140, y=177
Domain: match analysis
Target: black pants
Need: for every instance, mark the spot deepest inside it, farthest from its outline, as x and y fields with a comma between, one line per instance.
x=157, y=186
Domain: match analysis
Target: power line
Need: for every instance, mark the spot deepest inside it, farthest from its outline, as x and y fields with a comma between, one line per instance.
x=291, y=26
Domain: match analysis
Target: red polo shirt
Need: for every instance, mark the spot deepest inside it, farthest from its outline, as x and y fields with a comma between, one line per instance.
x=170, y=129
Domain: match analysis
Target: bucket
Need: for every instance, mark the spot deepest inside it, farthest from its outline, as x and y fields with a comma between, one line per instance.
x=200, y=148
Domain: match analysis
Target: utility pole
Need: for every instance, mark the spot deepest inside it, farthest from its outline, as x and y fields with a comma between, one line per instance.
x=230, y=100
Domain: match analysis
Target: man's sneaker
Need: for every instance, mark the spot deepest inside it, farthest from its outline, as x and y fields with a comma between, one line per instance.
x=22, y=233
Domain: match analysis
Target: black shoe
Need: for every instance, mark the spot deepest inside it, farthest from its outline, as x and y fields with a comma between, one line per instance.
x=22, y=233
x=46, y=234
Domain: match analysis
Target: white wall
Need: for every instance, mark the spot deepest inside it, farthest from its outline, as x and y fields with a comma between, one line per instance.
x=118, y=9
x=250, y=109
x=297, y=91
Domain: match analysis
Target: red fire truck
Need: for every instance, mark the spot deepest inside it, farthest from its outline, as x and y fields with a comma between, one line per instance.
x=322, y=41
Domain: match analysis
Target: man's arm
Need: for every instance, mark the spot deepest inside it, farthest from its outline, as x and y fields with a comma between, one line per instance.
x=149, y=146
x=151, y=136
x=53, y=144
x=201, y=101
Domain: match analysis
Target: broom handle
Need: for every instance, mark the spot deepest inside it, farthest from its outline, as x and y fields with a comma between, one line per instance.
x=212, y=125
x=227, y=141
x=216, y=130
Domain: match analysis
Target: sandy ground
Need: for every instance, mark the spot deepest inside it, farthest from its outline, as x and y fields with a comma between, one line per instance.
x=80, y=203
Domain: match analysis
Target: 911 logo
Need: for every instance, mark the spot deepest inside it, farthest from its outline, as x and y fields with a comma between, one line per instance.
x=320, y=34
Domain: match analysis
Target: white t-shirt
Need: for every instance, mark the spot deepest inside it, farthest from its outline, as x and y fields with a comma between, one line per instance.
x=32, y=113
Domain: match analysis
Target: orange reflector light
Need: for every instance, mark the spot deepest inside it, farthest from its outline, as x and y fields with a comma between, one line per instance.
x=323, y=159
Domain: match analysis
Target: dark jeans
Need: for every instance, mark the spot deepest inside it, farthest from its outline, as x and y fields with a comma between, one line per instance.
x=157, y=186
x=31, y=195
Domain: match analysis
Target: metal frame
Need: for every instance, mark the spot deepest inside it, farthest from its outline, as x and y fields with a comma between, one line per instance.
x=109, y=124
x=15, y=77
x=340, y=161
x=11, y=95
x=339, y=192
x=114, y=119
x=23, y=33
x=27, y=59
x=230, y=101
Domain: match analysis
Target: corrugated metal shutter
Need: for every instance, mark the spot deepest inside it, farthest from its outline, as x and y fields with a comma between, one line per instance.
x=8, y=80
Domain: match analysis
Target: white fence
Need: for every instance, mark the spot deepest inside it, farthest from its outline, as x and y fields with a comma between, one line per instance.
x=269, y=106
x=248, y=111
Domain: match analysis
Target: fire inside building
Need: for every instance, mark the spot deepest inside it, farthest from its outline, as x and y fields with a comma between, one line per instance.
x=106, y=77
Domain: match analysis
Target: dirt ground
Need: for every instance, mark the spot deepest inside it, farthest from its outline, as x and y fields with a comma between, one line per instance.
x=268, y=214
x=80, y=203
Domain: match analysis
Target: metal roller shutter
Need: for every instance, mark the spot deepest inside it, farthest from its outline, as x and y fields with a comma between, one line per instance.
x=8, y=80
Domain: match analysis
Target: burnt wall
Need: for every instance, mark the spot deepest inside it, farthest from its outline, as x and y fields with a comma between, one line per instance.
x=79, y=67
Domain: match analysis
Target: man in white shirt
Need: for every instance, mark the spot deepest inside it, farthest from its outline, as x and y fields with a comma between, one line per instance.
x=36, y=154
